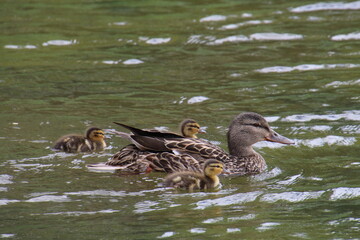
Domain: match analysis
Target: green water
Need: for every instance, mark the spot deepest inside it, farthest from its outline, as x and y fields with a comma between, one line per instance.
x=65, y=66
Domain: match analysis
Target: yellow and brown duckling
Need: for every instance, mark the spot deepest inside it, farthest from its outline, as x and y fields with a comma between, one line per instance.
x=92, y=141
x=188, y=180
x=190, y=128
x=170, y=153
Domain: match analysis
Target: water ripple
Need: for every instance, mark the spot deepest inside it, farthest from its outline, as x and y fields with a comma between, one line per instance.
x=49, y=198
x=327, y=6
x=353, y=115
x=306, y=67
x=328, y=140
x=246, y=23
x=99, y=192
x=344, y=193
x=79, y=213
x=337, y=84
x=238, y=198
x=290, y=196
x=211, y=40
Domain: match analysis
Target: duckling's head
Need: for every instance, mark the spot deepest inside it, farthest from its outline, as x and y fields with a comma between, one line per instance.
x=213, y=167
x=95, y=134
x=249, y=128
x=189, y=128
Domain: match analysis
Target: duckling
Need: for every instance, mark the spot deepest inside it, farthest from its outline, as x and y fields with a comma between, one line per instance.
x=92, y=141
x=189, y=128
x=188, y=180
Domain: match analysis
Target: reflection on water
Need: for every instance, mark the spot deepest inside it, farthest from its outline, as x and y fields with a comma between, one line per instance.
x=66, y=67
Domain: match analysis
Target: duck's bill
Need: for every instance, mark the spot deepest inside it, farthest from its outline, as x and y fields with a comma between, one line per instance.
x=275, y=137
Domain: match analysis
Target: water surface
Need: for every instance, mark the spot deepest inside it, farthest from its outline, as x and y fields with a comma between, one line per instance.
x=66, y=66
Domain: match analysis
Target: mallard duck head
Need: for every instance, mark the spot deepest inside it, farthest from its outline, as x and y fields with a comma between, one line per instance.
x=213, y=168
x=189, y=128
x=95, y=134
x=249, y=128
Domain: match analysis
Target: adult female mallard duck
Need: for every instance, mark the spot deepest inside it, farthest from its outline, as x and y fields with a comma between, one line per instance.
x=208, y=179
x=92, y=141
x=170, y=153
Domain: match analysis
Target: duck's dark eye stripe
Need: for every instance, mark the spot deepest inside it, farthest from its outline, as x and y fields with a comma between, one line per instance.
x=194, y=126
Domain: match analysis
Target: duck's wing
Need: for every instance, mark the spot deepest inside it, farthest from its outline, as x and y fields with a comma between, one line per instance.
x=149, y=133
x=147, y=140
x=199, y=147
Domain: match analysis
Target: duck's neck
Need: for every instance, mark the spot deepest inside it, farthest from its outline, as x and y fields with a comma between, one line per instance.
x=240, y=150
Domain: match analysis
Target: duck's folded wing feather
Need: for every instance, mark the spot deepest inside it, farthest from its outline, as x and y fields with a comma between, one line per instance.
x=196, y=146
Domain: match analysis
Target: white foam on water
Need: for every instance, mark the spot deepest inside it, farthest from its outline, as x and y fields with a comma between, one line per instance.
x=267, y=226
x=7, y=201
x=167, y=234
x=324, y=6
x=344, y=193
x=197, y=230
x=197, y=99
x=213, y=18
x=6, y=179
x=132, y=62
x=232, y=230
x=110, y=62
x=275, y=36
x=59, y=43
x=119, y=23
x=214, y=220
x=157, y=41
x=49, y=198
x=239, y=198
x=290, y=196
x=242, y=218
x=230, y=39
x=10, y=46
x=346, y=37
x=7, y=235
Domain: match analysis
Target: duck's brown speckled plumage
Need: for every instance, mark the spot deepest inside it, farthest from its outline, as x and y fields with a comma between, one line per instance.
x=168, y=153
x=93, y=140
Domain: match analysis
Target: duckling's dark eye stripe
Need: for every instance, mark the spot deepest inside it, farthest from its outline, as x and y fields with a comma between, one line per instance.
x=194, y=126
x=217, y=166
